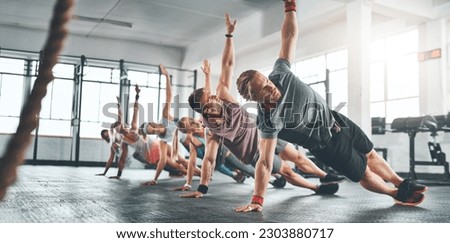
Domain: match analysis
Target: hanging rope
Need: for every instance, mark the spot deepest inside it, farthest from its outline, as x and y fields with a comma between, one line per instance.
x=17, y=145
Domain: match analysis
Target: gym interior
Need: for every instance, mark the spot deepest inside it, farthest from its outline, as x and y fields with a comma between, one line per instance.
x=383, y=63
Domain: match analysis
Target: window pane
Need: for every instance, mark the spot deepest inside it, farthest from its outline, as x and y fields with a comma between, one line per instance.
x=63, y=71
x=115, y=76
x=311, y=69
x=9, y=124
x=9, y=65
x=140, y=78
x=54, y=128
x=97, y=74
x=154, y=80
x=403, y=78
x=339, y=87
x=377, y=81
x=377, y=109
x=377, y=50
x=91, y=129
x=62, y=99
x=10, y=95
x=90, y=102
x=401, y=44
x=108, y=102
x=46, y=102
x=401, y=108
x=337, y=60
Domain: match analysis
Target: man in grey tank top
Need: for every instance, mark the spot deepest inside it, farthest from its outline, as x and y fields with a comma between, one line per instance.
x=290, y=109
x=232, y=125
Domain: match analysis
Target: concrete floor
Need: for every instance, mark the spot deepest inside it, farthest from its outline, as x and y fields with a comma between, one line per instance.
x=60, y=194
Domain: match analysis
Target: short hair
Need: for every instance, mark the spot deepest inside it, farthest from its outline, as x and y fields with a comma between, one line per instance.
x=194, y=100
x=103, y=132
x=243, y=83
x=181, y=124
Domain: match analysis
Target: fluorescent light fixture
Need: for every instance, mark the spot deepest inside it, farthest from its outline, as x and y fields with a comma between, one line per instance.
x=100, y=20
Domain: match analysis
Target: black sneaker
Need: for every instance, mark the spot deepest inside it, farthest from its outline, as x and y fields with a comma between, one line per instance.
x=409, y=193
x=327, y=189
x=332, y=179
x=278, y=182
x=239, y=178
x=413, y=186
x=414, y=199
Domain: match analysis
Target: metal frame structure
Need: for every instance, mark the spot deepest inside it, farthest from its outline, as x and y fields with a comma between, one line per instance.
x=80, y=63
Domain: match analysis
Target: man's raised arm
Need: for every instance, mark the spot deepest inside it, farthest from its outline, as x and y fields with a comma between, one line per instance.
x=228, y=61
x=289, y=31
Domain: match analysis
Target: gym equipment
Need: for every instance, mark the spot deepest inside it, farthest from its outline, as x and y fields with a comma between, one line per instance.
x=413, y=125
x=378, y=125
x=379, y=128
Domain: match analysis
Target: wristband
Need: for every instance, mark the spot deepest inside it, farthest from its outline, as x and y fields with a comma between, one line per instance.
x=137, y=96
x=257, y=200
x=289, y=6
x=188, y=186
x=202, y=188
x=228, y=35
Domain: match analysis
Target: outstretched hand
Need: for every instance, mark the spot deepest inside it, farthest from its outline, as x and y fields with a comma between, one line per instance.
x=149, y=183
x=182, y=188
x=195, y=194
x=206, y=67
x=137, y=89
x=230, y=24
x=163, y=70
x=249, y=208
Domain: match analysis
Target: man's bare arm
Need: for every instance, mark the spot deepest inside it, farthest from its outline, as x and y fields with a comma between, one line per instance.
x=109, y=162
x=228, y=62
x=263, y=170
x=208, y=163
x=289, y=36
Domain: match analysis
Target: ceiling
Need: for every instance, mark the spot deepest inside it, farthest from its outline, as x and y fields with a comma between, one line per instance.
x=176, y=23
x=183, y=23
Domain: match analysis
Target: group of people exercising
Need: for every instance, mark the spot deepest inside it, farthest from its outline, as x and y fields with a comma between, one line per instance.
x=228, y=138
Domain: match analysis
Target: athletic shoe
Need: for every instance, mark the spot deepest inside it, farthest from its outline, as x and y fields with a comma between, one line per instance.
x=278, y=182
x=413, y=186
x=327, y=189
x=332, y=179
x=239, y=178
x=409, y=193
x=415, y=199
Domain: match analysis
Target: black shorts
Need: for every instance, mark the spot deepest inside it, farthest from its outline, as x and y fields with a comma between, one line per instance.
x=347, y=149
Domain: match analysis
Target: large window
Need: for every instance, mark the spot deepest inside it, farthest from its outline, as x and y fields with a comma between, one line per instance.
x=98, y=100
x=56, y=109
x=394, y=77
x=11, y=86
x=312, y=71
x=149, y=103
